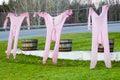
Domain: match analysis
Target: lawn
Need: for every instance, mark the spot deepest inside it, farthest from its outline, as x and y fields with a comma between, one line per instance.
x=30, y=67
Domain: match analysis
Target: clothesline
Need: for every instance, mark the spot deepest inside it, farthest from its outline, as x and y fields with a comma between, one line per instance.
x=58, y=11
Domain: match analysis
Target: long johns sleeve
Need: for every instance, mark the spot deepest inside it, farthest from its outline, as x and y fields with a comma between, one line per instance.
x=28, y=20
x=6, y=21
x=67, y=13
x=41, y=14
x=89, y=19
x=107, y=7
x=35, y=14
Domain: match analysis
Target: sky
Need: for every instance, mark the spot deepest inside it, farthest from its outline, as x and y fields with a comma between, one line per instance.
x=6, y=1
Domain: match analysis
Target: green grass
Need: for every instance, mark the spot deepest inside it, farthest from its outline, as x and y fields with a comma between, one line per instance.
x=80, y=41
x=30, y=67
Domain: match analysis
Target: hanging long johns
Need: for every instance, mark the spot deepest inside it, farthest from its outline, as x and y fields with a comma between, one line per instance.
x=54, y=27
x=15, y=26
x=99, y=35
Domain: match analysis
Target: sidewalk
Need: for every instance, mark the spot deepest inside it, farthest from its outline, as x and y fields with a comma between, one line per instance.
x=72, y=55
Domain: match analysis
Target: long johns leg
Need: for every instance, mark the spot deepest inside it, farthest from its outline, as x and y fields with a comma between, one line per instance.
x=15, y=43
x=56, y=49
x=47, y=46
x=106, y=50
x=94, y=55
x=9, y=45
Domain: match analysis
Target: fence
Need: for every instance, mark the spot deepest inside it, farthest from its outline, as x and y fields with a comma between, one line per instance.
x=78, y=16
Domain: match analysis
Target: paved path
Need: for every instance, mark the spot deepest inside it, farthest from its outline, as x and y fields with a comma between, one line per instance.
x=72, y=55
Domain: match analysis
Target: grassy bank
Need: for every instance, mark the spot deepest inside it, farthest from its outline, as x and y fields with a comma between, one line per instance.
x=30, y=67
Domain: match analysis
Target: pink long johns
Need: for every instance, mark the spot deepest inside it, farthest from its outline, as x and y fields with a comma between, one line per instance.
x=99, y=35
x=54, y=27
x=16, y=22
